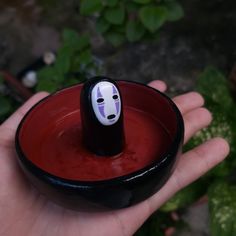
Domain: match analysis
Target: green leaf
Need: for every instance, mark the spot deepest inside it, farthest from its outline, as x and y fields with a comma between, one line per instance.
x=134, y=31
x=156, y=225
x=81, y=62
x=116, y=39
x=153, y=17
x=46, y=73
x=69, y=35
x=186, y=196
x=142, y=1
x=5, y=106
x=132, y=6
x=70, y=82
x=51, y=74
x=118, y=28
x=88, y=7
x=83, y=42
x=62, y=64
x=47, y=85
x=111, y=3
x=73, y=42
x=115, y=16
x=102, y=25
x=175, y=11
x=222, y=206
x=85, y=57
x=72, y=57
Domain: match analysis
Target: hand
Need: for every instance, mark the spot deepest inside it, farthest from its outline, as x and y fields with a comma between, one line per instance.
x=24, y=212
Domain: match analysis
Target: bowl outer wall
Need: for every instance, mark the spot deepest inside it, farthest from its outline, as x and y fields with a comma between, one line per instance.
x=119, y=192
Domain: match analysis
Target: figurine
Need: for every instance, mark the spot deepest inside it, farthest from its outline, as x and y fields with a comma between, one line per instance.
x=102, y=117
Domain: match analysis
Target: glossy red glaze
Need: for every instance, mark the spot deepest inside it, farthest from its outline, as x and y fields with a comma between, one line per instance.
x=50, y=135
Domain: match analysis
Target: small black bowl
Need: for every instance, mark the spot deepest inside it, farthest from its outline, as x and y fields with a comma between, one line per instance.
x=44, y=154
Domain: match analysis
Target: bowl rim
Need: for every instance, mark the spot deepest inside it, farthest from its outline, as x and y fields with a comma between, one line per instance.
x=134, y=176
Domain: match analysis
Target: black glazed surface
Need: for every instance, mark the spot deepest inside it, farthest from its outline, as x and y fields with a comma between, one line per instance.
x=113, y=138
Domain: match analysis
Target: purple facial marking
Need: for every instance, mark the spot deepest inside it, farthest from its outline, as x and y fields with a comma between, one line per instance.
x=101, y=110
x=114, y=89
x=101, y=105
x=117, y=102
x=99, y=95
x=117, y=107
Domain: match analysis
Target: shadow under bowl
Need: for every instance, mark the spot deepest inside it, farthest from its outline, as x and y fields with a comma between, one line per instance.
x=51, y=152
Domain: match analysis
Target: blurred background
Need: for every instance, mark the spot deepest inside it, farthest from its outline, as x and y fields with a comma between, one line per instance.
x=191, y=45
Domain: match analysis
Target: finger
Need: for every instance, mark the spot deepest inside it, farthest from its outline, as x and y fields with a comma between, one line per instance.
x=196, y=120
x=13, y=121
x=199, y=160
x=158, y=84
x=191, y=166
x=188, y=101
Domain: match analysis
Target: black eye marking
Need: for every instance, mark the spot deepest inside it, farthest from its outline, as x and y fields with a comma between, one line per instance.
x=115, y=96
x=100, y=100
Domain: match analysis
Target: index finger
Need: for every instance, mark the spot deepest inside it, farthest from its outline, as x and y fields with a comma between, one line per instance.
x=188, y=101
x=158, y=84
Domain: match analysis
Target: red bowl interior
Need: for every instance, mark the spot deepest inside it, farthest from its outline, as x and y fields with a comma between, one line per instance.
x=50, y=134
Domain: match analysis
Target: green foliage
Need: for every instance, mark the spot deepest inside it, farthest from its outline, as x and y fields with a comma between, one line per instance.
x=111, y=3
x=115, y=15
x=222, y=205
x=142, y=1
x=102, y=25
x=215, y=89
x=175, y=11
x=131, y=20
x=134, y=31
x=153, y=17
x=5, y=106
x=155, y=225
x=115, y=38
x=90, y=6
x=222, y=197
x=74, y=63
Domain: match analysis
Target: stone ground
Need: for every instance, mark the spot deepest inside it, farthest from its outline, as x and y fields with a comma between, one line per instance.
x=206, y=36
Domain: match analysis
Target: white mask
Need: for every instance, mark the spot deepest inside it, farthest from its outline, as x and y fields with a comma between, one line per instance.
x=106, y=103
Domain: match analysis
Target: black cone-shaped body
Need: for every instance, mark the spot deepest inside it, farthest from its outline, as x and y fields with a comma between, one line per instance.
x=102, y=117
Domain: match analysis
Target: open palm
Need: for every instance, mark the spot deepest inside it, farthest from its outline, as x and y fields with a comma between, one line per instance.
x=24, y=212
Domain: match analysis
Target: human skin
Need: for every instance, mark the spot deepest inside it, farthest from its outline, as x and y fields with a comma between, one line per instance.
x=25, y=212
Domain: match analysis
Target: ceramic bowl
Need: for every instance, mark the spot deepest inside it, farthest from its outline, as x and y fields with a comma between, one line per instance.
x=48, y=139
